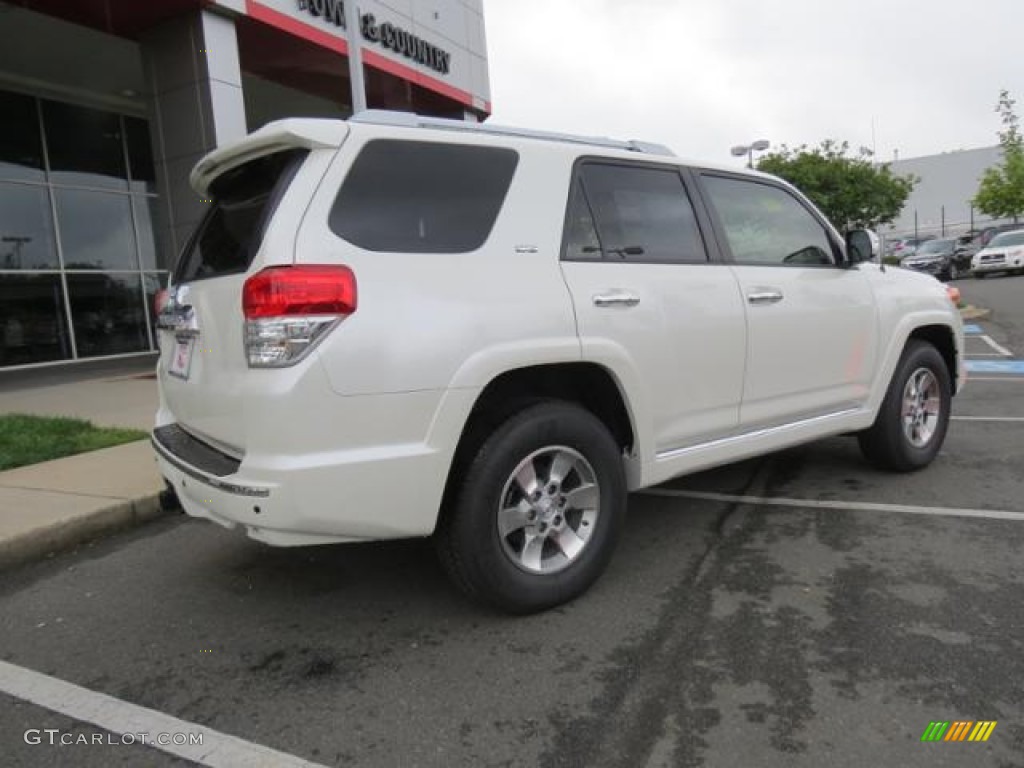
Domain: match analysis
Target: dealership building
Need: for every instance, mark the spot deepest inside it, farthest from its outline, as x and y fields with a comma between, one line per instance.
x=105, y=106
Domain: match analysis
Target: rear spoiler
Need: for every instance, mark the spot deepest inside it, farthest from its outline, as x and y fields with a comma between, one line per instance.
x=310, y=133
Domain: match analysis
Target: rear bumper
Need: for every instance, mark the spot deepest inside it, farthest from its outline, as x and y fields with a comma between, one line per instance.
x=383, y=491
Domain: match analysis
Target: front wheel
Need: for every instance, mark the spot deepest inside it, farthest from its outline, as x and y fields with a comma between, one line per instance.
x=537, y=511
x=953, y=273
x=912, y=421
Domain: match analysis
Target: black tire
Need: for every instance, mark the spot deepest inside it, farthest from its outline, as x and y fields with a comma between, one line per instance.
x=887, y=443
x=953, y=272
x=978, y=275
x=483, y=562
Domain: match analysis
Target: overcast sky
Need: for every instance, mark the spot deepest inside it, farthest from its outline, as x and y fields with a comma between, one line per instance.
x=917, y=76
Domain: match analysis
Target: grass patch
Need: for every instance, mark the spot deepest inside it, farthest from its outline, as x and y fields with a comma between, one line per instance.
x=30, y=439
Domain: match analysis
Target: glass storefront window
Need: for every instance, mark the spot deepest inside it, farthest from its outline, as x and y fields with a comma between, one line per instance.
x=107, y=314
x=74, y=233
x=153, y=282
x=33, y=324
x=84, y=146
x=95, y=230
x=148, y=216
x=21, y=151
x=26, y=228
x=140, y=155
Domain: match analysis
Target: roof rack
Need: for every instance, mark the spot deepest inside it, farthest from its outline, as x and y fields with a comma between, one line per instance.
x=412, y=120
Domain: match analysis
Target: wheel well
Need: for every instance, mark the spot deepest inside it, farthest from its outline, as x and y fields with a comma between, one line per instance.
x=941, y=337
x=586, y=384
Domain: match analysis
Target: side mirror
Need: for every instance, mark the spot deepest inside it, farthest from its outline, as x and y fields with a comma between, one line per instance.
x=861, y=245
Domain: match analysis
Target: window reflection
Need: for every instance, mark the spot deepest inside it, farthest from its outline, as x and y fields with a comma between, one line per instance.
x=152, y=252
x=26, y=228
x=107, y=314
x=21, y=151
x=78, y=207
x=140, y=155
x=33, y=324
x=95, y=230
x=153, y=283
x=84, y=146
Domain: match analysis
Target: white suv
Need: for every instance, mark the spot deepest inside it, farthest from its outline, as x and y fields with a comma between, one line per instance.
x=398, y=326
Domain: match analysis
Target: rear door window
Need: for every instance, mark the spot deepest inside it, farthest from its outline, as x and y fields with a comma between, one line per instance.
x=632, y=213
x=420, y=197
x=243, y=200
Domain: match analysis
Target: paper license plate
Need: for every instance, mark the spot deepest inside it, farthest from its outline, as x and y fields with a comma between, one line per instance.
x=181, y=358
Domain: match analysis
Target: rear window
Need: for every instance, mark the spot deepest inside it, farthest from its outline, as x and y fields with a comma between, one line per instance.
x=244, y=199
x=419, y=197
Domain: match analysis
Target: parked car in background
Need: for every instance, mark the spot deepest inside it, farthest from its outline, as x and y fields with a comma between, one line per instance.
x=939, y=258
x=976, y=239
x=909, y=245
x=1004, y=253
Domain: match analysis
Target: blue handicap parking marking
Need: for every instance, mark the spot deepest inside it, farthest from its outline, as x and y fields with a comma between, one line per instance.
x=972, y=330
x=995, y=366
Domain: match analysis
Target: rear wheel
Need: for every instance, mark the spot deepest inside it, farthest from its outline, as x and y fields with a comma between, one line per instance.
x=911, y=424
x=538, y=510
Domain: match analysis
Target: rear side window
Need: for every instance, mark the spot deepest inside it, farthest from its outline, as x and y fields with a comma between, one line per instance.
x=419, y=197
x=244, y=199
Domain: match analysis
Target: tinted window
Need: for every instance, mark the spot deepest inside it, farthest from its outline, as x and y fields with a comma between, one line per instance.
x=21, y=152
x=415, y=197
x=641, y=214
x=244, y=199
x=33, y=324
x=84, y=145
x=767, y=225
x=95, y=229
x=140, y=155
x=107, y=313
x=26, y=228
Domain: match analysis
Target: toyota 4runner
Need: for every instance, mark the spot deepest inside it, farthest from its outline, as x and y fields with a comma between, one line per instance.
x=399, y=326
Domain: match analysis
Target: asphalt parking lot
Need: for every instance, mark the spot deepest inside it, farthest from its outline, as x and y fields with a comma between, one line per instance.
x=796, y=610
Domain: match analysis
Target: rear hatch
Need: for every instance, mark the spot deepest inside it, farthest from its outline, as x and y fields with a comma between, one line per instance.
x=258, y=189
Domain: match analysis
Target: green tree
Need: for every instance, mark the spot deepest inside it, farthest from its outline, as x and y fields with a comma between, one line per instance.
x=1001, y=191
x=851, y=190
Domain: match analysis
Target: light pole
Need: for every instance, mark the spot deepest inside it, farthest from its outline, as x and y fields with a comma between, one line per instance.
x=749, y=149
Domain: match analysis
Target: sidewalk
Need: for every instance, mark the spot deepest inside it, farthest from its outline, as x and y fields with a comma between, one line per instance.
x=59, y=504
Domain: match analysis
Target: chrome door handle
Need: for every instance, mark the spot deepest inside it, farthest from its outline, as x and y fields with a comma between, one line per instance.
x=617, y=299
x=764, y=297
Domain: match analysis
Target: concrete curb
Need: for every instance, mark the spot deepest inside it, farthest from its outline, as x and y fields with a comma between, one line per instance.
x=65, y=535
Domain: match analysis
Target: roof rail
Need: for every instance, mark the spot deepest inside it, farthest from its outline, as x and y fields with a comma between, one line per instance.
x=412, y=120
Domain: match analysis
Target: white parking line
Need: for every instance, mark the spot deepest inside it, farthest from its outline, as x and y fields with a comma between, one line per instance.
x=218, y=750
x=1000, y=350
x=856, y=506
x=1012, y=419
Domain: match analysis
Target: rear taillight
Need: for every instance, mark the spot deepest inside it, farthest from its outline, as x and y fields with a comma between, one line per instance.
x=289, y=309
